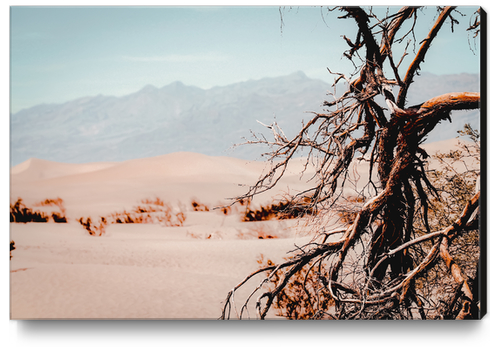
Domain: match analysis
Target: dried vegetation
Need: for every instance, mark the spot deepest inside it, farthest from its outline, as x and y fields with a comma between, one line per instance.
x=407, y=249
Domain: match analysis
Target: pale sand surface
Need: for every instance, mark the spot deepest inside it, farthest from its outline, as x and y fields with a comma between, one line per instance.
x=138, y=271
x=60, y=272
x=145, y=271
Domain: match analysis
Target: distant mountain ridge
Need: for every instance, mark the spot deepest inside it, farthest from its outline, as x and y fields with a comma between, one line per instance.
x=155, y=121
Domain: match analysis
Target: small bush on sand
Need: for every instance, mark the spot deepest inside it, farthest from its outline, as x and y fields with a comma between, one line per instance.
x=92, y=228
x=151, y=211
x=282, y=210
x=303, y=297
x=58, y=202
x=262, y=232
x=58, y=218
x=199, y=207
x=19, y=213
x=226, y=210
x=12, y=247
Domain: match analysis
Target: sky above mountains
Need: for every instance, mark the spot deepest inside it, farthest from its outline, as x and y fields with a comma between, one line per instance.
x=58, y=54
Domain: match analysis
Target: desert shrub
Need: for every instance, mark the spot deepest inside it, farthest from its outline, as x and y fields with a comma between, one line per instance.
x=349, y=209
x=12, y=247
x=266, y=236
x=258, y=232
x=58, y=202
x=283, y=210
x=92, y=228
x=121, y=217
x=138, y=215
x=223, y=208
x=303, y=297
x=53, y=202
x=237, y=207
x=370, y=268
x=19, y=213
x=199, y=207
x=242, y=202
x=151, y=211
x=455, y=181
x=205, y=236
x=58, y=218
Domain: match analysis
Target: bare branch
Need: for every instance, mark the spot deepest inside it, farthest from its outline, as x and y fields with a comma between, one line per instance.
x=383, y=260
x=419, y=58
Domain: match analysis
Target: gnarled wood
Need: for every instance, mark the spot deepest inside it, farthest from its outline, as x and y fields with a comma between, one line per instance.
x=451, y=102
x=373, y=266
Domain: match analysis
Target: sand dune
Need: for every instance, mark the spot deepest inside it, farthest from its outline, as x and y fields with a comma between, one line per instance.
x=177, y=178
x=35, y=169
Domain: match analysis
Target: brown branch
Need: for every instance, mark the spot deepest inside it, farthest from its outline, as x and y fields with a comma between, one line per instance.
x=458, y=225
x=451, y=102
x=419, y=58
x=402, y=15
x=458, y=277
x=303, y=259
x=385, y=225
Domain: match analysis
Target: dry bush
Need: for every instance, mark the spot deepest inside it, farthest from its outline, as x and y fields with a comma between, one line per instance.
x=282, y=210
x=201, y=207
x=258, y=231
x=223, y=208
x=226, y=210
x=58, y=217
x=58, y=202
x=198, y=206
x=19, y=213
x=455, y=181
x=396, y=259
x=238, y=207
x=152, y=211
x=206, y=236
x=12, y=247
x=92, y=228
x=157, y=202
x=304, y=297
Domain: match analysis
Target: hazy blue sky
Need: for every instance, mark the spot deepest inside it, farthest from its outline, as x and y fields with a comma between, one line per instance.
x=62, y=53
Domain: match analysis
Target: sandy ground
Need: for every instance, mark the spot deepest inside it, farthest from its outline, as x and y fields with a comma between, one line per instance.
x=134, y=271
x=139, y=271
x=144, y=271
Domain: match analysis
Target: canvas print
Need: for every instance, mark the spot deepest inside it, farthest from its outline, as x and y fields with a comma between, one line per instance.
x=263, y=163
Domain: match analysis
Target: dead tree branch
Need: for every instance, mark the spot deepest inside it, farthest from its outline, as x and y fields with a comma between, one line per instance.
x=383, y=263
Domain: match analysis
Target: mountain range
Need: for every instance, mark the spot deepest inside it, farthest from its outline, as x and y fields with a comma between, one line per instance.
x=155, y=121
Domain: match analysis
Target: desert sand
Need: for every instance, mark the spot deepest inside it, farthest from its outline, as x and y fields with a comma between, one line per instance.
x=150, y=270
x=139, y=271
